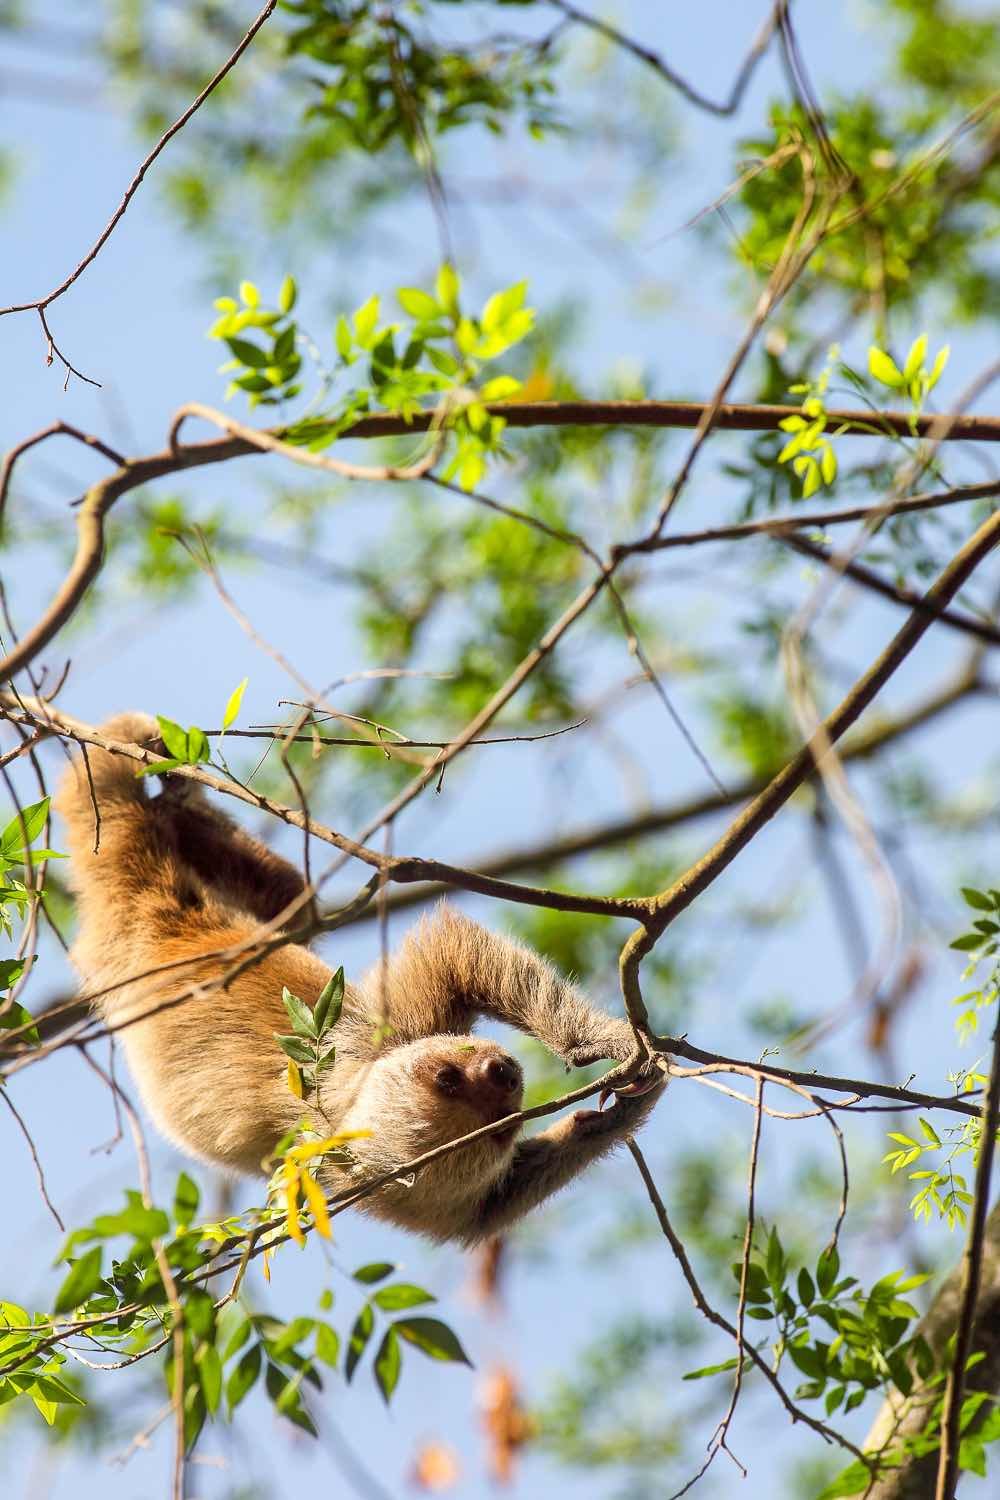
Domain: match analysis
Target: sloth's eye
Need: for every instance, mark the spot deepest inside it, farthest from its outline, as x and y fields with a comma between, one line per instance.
x=449, y=1079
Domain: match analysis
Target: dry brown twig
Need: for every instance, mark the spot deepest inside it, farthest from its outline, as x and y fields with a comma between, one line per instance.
x=41, y=304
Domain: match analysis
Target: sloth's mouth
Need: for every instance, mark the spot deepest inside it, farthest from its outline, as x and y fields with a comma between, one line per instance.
x=502, y=1138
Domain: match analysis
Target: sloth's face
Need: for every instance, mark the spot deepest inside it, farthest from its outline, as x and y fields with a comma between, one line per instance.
x=469, y=1084
x=425, y=1094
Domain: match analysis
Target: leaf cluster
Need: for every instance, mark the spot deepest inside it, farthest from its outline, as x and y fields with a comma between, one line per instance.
x=309, y=1046
x=383, y=81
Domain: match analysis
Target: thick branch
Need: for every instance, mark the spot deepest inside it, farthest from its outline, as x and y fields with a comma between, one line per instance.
x=621, y=833
x=135, y=472
x=841, y=562
x=401, y=868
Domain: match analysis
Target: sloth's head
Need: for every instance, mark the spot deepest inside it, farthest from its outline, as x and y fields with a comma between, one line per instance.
x=422, y=1094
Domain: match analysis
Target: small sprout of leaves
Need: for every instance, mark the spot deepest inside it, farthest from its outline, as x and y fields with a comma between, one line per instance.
x=310, y=1046
x=808, y=450
x=293, y=1187
x=437, y=358
x=914, y=380
x=16, y=840
x=185, y=747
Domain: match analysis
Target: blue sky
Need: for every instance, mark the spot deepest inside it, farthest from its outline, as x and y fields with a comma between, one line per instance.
x=136, y=322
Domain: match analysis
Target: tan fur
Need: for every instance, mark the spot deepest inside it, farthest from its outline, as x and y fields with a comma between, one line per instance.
x=175, y=881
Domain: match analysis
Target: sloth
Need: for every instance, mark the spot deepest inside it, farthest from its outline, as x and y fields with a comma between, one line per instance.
x=174, y=886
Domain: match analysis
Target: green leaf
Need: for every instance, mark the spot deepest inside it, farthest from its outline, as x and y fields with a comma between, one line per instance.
x=287, y=294
x=11, y=970
x=136, y=1219
x=330, y=1003
x=157, y=768
x=884, y=368
x=417, y=303
x=209, y=1367
x=243, y=1377
x=197, y=745
x=400, y=1295
x=199, y=1314
x=83, y=1279
x=187, y=1196
x=938, y=367
x=327, y=1345
x=446, y=287
x=851, y=1481
x=364, y=1323
x=174, y=738
x=239, y=1337
x=15, y=1015
x=433, y=1338
x=300, y=1016
x=727, y=1364
x=915, y=358
x=388, y=1363
x=57, y=1391
x=20, y=832
x=342, y=338
x=365, y=321
x=977, y=899
x=968, y=942
x=499, y=388
x=249, y=294
x=295, y=1048
x=501, y=307
x=828, y=464
x=827, y=1270
x=377, y=1270
x=806, y=1289
x=249, y=354
x=294, y=1332
x=234, y=704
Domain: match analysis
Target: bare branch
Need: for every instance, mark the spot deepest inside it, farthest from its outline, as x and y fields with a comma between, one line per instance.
x=40, y=304
x=659, y=65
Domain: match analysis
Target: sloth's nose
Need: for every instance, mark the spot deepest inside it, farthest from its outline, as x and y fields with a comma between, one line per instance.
x=502, y=1074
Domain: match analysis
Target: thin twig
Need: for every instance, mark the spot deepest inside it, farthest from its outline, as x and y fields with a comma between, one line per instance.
x=660, y=66
x=40, y=304
x=828, y=1434
x=39, y=1173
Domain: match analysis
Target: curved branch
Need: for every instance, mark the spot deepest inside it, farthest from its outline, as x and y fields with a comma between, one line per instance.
x=135, y=472
x=401, y=868
x=659, y=65
x=622, y=832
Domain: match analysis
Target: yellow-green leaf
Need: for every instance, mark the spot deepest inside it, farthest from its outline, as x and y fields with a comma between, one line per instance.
x=500, y=388
x=446, y=288
x=365, y=320
x=234, y=704
x=915, y=358
x=938, y=366
x=884, y=368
